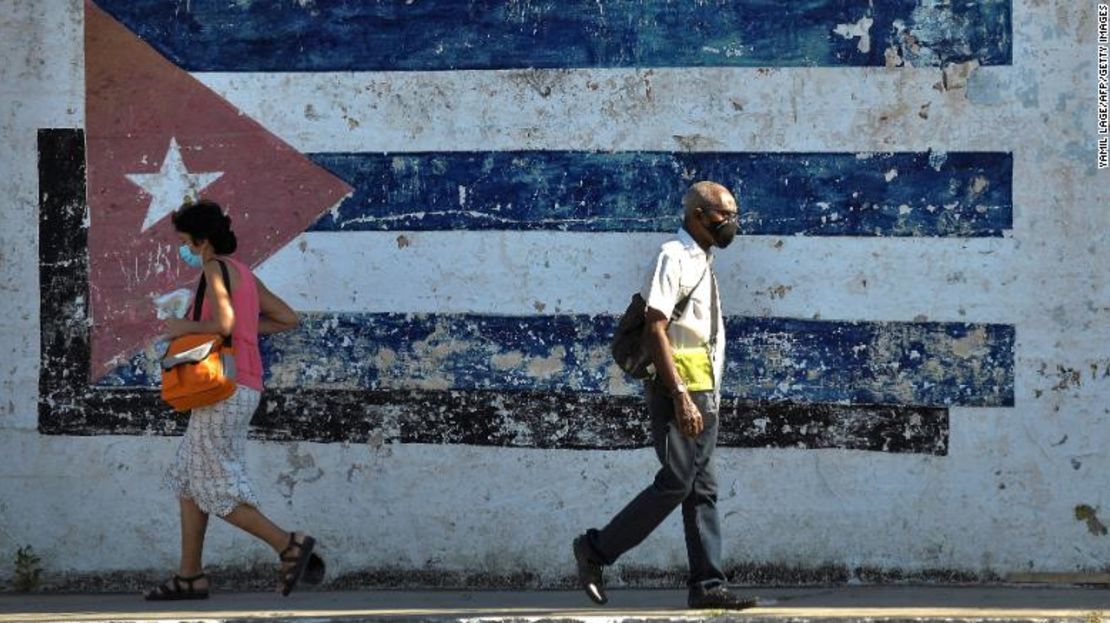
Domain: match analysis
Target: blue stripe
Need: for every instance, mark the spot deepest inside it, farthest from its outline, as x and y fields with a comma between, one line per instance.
x=430, y=35
x=967, y=194
x=929, y=364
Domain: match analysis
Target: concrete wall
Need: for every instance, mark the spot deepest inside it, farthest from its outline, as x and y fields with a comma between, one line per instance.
x=918, y=384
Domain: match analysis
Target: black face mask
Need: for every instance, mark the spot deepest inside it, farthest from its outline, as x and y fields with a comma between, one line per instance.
x=723, y=233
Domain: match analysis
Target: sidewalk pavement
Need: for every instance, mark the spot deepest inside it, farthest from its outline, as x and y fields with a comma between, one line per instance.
x=833, y=605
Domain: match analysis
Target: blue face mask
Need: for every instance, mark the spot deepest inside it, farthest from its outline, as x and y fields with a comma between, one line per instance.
x=190, y=258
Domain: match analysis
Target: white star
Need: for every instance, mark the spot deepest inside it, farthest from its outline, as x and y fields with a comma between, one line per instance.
x=171, y=185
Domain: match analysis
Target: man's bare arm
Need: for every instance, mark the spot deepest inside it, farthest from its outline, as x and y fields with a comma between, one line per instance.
x=659, y=345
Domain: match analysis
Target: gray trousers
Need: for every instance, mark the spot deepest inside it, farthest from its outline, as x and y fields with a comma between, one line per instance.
x=687, y=479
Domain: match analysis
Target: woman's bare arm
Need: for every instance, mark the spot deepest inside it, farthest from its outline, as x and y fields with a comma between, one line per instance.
x=219, y=301
x=277, y=316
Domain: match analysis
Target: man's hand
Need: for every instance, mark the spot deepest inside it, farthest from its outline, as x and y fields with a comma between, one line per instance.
x=687, y=415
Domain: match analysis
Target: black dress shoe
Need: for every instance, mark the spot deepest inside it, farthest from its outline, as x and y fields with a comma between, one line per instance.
x=719, y=598
x=589, y=572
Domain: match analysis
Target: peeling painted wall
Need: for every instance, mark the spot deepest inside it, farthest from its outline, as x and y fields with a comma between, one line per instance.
x=917, y=383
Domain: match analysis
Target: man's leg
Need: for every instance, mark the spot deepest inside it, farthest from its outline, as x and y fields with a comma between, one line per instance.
x=672, y=485
x=702, y=525
x=701, y=521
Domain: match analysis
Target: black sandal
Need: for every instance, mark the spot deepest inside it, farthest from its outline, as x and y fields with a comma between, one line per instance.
x=290, y=577
x=314, y=571
x=177, y=589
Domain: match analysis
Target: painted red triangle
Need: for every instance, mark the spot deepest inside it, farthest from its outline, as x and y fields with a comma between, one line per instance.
x=137, y=103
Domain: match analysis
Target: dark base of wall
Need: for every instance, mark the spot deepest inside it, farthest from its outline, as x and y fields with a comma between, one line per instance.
x=261, y=578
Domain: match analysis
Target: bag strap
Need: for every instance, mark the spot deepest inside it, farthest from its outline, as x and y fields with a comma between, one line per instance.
x=713, y=303
x=713, y=326
x=198, y=301
x=680, y=307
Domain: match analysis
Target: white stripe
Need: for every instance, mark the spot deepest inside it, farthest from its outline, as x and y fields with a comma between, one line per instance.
x=716, y=109
x=530, y=273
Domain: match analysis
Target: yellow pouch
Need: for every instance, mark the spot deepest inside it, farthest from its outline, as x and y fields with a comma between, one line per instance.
x=694, y=368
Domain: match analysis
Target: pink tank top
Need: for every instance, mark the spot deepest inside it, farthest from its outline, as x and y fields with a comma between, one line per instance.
x=244, y=335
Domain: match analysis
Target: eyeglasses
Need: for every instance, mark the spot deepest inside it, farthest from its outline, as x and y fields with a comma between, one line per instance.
x=730, y=216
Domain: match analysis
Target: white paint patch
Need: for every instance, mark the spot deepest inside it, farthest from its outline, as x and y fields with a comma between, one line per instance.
x=937, y=159
x=727, y=52
x=891, y=58
x=861, y=29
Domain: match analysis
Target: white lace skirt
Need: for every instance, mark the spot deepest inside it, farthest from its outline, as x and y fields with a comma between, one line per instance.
x=211, y=463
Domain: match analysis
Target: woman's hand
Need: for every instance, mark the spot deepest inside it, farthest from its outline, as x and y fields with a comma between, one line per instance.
x=176, y=327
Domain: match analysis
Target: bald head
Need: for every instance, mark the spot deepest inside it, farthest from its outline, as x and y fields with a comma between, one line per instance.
x=707, y=195
x=711, y=214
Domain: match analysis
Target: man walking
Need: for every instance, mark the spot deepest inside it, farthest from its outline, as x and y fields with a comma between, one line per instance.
x=684, y=331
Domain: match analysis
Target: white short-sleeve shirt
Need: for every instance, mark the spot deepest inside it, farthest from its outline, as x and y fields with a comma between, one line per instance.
x=674, y=273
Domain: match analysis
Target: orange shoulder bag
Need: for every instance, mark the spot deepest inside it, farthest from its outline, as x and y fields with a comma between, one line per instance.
x=198, y=369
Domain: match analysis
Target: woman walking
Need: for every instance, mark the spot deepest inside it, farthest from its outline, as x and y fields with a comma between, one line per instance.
x=209, y=473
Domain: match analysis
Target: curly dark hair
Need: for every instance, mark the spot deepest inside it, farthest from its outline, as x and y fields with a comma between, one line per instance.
x=205, y=220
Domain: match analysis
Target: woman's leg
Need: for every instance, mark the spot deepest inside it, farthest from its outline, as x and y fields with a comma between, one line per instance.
x=194, y=524
x=252, y=521
x=189, y=582
x=225, y=434
x=291, y=548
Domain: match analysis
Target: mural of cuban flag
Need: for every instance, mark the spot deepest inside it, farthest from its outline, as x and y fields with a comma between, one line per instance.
x=459, y=197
